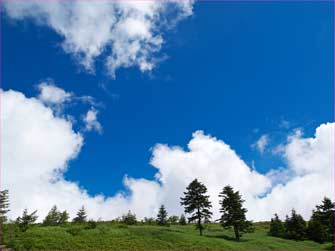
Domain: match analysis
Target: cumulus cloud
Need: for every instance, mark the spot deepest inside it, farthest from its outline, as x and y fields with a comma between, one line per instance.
x=91, y=121
x=261, y=143
x=125, y=33
x=51, y=94
x=38, y=147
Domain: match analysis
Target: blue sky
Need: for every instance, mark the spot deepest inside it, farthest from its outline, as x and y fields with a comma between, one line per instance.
x=234, y=70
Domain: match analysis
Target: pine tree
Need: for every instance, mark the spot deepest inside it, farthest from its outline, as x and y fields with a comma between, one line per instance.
x=129, y=218
x=197, y=203
x=4, y=205
x=26, y=219
x=162, y=216
x=233, y=214
x=276, y=227
x=52, y=217
x=174, y=219
x=182, y=220
x=321, y=225
x=64, y=217
x=81, y=216
x=295, y=226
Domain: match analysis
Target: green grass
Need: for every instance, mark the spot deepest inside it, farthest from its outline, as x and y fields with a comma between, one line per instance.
x=109, y=236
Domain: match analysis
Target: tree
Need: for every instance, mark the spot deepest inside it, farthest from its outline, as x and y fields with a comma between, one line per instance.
x=182, y=220
x=26, y=219
x=63, y=217
x=162, y=216
x=173, y=219
x=295, y=226
x=321, y=224
x=233, y=214
x=197, y=203
x=4, y=209
x=149, y=221
x=276, y=227
x=129, y=218
x=55, y=217
x=81, y=216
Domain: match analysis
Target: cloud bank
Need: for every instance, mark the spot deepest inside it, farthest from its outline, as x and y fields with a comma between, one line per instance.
x=38, y=146
x=125, y=33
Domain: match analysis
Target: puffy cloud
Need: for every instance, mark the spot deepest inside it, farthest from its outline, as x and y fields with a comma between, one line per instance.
x=91, y=121
x=261, y=143
x=39, y=145
x=51, y=94
x=129, y=32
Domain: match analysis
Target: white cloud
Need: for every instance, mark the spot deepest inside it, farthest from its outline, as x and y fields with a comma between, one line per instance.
x=129, y=32
x=261, y=143
x=51, y=94
x=38, y=147
x=91, y=121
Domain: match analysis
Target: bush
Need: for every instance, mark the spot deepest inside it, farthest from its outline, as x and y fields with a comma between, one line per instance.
x=74, y=230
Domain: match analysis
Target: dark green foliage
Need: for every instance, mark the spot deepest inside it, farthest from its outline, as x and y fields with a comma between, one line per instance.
x=276, y=227
x=81, y=216
x=321, y=225
x=91, y=224
x=162, y=216
x=129, y=218
x=182, y=220
x=74, y=230
x=149, y=221
x=55, y=217
x=4, y=205
x=174, y=219
x=295, y=226
x=316, y=231
x=233, y=214
x=25, y=220
x=197, y=203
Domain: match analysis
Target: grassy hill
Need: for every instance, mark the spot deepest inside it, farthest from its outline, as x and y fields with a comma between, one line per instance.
x=112, y=236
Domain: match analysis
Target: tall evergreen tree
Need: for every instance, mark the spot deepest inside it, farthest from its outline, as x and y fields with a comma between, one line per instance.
x=295, y=226
x=321, y=224
x=81, y=216
x=162, y=216
x=196, y=203
x=233, y=214
x=4, y=209
x=26, y=219
x=276, y=227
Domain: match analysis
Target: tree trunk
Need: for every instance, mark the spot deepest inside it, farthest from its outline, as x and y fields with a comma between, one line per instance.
x=199, y=222
x=237, y=234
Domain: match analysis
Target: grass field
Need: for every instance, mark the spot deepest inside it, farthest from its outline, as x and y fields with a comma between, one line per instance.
x=111, y=236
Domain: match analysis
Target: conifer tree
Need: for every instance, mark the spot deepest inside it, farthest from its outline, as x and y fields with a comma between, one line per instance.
x=182, y=220
x=26, y=219
x=81, y=216
x=64, y=217
x=295, y=226
x=196, y=203
x=276, y=227
x=4, y=209
x=162, y=216
x=129, y=218
x=233, y=214
x=321, y=224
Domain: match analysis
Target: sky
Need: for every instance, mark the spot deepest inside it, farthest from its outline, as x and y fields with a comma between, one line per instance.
x=106, y=102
